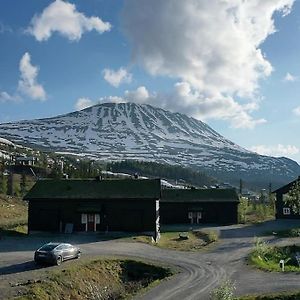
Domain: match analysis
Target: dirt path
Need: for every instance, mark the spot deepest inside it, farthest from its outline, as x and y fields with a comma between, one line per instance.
x=200, y=271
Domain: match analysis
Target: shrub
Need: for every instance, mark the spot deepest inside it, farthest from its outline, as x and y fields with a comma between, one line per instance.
x=224, y=292
x=212, y=236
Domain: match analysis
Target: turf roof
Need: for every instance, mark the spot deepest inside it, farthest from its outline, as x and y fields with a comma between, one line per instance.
x=199, y=195
x=95, y=189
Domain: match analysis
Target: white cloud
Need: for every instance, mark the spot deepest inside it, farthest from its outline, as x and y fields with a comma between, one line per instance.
x=61, y=16
x=140, y=95
x=212, y=47
x=296, y=111
x=115, y=78
x=28, y=84
x=83, y=103
x=6, y=97
x=186, y=100
x=5, y=28
x=276, y=150
x=290, y=78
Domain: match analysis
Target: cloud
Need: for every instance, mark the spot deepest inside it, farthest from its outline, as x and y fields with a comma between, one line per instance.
x=115, y=78
x=5, y=28
x=211, y=47
x=83, y=103
x=276, y=150
x=6, y=97
x=296, y=111
x=140, y=95
x=62, y=17
x=28, y=84
x=290, y=78
x=189, y=101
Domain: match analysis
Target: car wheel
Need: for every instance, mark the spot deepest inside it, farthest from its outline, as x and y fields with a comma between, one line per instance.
x=78, y=255
x=59, y=260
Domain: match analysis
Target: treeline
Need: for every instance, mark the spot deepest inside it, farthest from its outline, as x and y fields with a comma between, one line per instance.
x=165, y=171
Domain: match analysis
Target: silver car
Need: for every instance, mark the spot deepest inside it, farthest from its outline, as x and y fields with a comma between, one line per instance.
x=56, y=253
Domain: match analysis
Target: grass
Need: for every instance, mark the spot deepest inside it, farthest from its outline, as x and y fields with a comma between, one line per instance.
x=267, y=257
x=293, y=232
x=97, y=279
x=276, y=296
x=13, y=216
x=171, y=240
x=254, y=213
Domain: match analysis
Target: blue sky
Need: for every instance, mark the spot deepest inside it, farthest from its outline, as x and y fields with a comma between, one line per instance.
x=235, y=66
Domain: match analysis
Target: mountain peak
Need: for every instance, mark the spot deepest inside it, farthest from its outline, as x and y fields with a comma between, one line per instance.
x=118, y=131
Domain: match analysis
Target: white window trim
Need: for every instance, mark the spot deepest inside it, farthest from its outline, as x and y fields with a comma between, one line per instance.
x=286, y=211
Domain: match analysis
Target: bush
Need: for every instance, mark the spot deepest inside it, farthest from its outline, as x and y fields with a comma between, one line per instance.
x=224, y=292
x=212, y=236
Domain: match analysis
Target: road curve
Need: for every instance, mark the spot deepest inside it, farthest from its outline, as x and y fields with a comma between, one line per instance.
x=199, y=272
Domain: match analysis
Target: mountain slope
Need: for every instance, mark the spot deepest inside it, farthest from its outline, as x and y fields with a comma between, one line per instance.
x=131, y=131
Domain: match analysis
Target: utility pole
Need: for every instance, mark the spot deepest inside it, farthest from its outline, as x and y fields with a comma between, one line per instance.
x=241, y=186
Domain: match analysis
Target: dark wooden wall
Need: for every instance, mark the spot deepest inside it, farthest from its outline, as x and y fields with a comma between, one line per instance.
x=218, y=213
x=115, y=215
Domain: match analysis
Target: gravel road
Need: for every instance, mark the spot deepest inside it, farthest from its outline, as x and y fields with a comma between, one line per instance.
x=199, y=272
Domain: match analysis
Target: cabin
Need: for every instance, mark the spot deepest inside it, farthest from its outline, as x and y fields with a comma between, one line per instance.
x=25, y=161
x=284, y=211
x=197, y=206
x=130, y=205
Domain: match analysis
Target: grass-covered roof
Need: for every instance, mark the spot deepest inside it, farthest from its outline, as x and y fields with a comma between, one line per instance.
x=95, y=189
x=199, y=195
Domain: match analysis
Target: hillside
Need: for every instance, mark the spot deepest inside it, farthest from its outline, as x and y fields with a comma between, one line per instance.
x=141, y=132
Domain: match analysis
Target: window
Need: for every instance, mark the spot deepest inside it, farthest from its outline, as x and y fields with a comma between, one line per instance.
x=190, y=215
x=83, y=218
x=286, y=211
x=97, y=218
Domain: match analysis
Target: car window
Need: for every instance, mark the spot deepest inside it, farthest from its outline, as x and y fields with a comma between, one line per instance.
x=48, y=247
x=60, y=247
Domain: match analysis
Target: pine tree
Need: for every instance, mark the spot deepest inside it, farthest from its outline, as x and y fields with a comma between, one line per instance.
x=293, y=198
x=3, y=184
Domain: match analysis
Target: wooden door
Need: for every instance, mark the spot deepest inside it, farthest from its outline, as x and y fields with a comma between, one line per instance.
x=91, y=222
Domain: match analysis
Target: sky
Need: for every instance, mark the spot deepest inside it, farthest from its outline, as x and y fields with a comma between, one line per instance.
x=233, y=64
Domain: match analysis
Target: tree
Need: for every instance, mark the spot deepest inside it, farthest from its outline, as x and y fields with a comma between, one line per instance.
x=293, y=197
x=23, y=183
x=3, y=184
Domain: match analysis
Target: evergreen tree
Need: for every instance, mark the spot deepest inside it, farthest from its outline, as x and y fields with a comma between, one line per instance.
x=23, y=184
x=293, y=198
x=3, y=184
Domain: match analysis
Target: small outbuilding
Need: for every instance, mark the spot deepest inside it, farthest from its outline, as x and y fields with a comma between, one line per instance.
x=94, y=205
x=196, y=206
x=283, y=210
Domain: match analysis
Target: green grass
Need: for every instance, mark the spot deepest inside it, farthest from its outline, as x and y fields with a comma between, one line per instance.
x=97, y=279
x=267, y=258
x=171, y=240
x=254, y=213
x=276, y=296
x=13, y=216
x=293, y=232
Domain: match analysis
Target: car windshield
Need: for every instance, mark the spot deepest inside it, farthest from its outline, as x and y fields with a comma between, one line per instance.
x=48, y=247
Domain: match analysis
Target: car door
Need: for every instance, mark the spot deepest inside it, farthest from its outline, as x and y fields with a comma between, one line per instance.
x=69, y=251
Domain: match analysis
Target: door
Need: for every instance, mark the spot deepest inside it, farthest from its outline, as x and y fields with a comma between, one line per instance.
x=91, y=222
x=195, y=217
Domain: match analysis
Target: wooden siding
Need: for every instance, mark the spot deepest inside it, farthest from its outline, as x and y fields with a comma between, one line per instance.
x=115, y=215
x=218, y=213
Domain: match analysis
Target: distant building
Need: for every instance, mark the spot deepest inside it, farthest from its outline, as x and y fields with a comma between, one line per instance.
x=196, y=206
x=94, y=205
x=284, y=211
x=25, y=161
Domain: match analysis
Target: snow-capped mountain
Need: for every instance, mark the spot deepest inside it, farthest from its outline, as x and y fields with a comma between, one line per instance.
x=130, y=131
